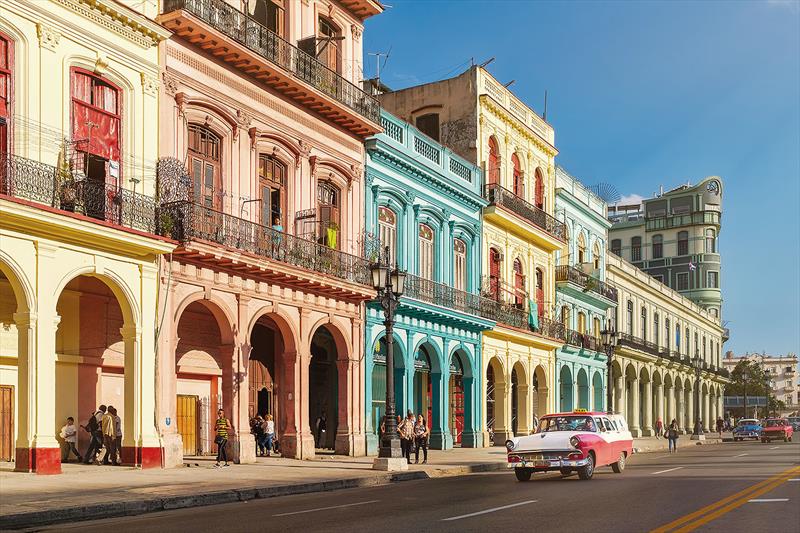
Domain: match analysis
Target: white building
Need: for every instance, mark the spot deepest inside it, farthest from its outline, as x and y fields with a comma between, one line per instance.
x=782, y=371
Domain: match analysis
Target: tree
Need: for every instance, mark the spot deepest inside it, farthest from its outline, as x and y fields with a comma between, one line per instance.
x=749, y=379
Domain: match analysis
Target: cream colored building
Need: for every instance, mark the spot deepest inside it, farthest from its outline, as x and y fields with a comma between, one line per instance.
x=78, y=250
x=782, y=372
x=484, y=122
x=659, y=333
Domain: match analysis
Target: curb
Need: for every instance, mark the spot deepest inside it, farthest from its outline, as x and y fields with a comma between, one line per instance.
x=152, y=505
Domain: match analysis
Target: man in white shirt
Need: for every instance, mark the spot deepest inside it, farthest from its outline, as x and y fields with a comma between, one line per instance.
x=70, y=435
x=118, y=432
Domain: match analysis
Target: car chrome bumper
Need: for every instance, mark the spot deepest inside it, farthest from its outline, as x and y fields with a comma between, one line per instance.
x=749, y=434
x=550, y=464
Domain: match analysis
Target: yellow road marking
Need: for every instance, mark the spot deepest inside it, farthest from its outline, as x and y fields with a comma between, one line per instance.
x=716, y=509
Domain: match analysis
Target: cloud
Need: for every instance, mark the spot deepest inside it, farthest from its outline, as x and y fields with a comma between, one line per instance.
x=630, y=199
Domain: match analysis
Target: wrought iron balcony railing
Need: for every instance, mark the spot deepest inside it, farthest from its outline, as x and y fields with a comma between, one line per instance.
x=497, y=195
x=257, y=38
x=587, y=282
x=186, y=221
x=37, y=182
x=582, y=340
x=637, y=343
x=450, y=297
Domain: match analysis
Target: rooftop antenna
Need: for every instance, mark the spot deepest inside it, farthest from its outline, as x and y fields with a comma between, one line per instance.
x=483, y=65
x=378, y=56
x=509, y=84
x=544, y=114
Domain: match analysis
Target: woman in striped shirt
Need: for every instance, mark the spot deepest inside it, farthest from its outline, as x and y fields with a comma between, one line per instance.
x=221, y=427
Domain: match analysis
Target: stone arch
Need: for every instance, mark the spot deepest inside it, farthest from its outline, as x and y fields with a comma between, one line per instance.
x=566, y=396
x=283, y=322
x=115, y=283
x=582, y=383
x=20, y=285
x=225, y=318
x=541, y=391
x=520, y=399
x=496, y=413
x=462, y=389
x=327, y=384
x=427, y=383
x=597, y=391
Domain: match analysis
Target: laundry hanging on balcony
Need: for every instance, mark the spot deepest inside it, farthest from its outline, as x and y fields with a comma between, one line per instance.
x=533, y=315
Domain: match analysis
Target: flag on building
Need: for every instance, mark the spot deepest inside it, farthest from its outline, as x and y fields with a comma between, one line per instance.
x=692, y=267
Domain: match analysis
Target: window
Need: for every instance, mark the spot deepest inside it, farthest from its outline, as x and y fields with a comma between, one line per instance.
x=686, y=340
x=539, y=189
x=540, y=291
x=205, y=158
x=581, y=323
x=596, y=327
x=519, y=177
x=328, y=51
x=493, y=164
x=387, y=231
x=658, y=246
x=714, y=312
x=696, y=344
x=656, y=329
x=711, y=241
x=683, y=243
x=636, y=249
x=581, y=249
x=328, y=202
x=6, y=81
x=630, y=317
x=644, y=323
x=713, y=280
x=519, y=283
x=429, y=125
x=616, y=247
x=667, y=332
x=426, y=253
x=565, y=317
x=495, y=263
x=460, y=264
x=704, y=348
x=596, y=256
x=270, y=13
x=682, y=281
x=272, y=183
x=677, y=338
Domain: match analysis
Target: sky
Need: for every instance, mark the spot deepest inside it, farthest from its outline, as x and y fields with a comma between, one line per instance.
x=643, y=94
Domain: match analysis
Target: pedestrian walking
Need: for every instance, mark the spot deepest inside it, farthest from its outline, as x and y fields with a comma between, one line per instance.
x=92, y=427
x=221, y=427
x=421, y=435
x=257, y=429
x=659, y=428
x=405, y=429
x=720, y=425
x=109, y=438
x=672, y=436
x=70, y=435
x=322, y=428
x=117, y=435
x=269, y=433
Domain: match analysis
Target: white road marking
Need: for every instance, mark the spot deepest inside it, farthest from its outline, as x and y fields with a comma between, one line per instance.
x=774, y=447
x=795, y=479
x=740, y=455
x=488, y=511
x=768, y=500
x=326, y=508
x=667, y=470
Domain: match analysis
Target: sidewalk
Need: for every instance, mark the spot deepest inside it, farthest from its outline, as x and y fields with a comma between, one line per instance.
x=92, y=492
x=653, y=444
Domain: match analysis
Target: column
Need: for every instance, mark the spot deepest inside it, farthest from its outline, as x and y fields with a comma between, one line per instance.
x=132, y=416
x=524, y=418
x=690, y=412
x=344, y=443
x=633, y=418
x=441, y=438
x=707, y=423
x=660, y=404
x=648, y=408
x=619, y=394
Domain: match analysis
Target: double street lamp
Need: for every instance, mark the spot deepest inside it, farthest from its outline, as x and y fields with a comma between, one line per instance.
x=609, y=338
x=698, y=364
x=389, y=283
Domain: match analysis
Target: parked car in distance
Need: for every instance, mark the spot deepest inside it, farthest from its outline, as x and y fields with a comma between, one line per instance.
x=747, y=428
x=795, y=422
x=776, y=429
x=567, y=442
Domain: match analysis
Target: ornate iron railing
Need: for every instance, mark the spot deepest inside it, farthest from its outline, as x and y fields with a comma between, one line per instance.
x=638, y=344
x=37, y=182
x=230, y=21
x=450, y=297
x=495, y=194
x=495, y=288
x=585, y=281
x=582, y=340
x=186, y=221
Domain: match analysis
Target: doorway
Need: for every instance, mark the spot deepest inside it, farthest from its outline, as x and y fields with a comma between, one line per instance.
x=188, y=422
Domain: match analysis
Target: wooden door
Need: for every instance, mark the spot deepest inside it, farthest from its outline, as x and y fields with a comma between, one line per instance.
x=6, y=422
x=457, y=407
x=188, y=424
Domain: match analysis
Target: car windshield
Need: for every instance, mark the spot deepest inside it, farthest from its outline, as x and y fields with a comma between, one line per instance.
x=748, y=422
x=774, y=423
x=567, y=423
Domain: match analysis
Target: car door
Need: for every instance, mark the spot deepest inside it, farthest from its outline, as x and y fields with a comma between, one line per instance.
x=605, y=447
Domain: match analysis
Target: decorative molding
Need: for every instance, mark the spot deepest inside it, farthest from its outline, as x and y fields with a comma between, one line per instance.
x=355, y=29
x=120, y=23
x=243, y=119
x=514, y=123
x=149, y=84
x=48, y=37
x=170, y=84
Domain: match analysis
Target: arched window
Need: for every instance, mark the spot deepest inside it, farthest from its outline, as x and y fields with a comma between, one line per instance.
x=387, y=231
x=629, y=317
x=328, y=45
x=519, y=283
x=711, y=241
x=460, y=264
x=596, y=327
x=683, y=243
x=427, y=256
x=686, y=341
x=272, y=185
x=565, y=317
x=540, y=291
x=519, y=177
x=205, y=156
x=704, y=348
x=696, y=344
x=493, y=164
x=656, y=328
x=616, y=247
x=658, y=246
x=581, y=322
x=636, y=248
x=270, y=13
x=495, y=264
x=677, y=338
x=596, y=256
x=667, y=332
x=6, y=91
x=581, y=249
x=328, y=205
x=644, y=323
x=539, y=189
x=429, y=125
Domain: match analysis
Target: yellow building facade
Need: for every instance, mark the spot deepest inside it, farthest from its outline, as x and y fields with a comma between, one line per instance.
x=79, y=258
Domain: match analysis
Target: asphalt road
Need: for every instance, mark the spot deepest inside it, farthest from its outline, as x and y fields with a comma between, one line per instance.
x=731, y=487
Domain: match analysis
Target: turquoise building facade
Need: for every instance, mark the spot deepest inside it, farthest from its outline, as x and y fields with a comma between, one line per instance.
x=424, y=203
x=582, y=296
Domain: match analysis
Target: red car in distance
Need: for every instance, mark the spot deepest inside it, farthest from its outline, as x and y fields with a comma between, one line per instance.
x=776, y=429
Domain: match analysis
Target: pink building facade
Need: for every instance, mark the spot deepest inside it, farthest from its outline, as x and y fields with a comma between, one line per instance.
x=261, y=182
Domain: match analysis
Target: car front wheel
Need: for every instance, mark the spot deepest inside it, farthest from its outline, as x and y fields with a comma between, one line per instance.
x=619, y=466
x=523, y=474
x=586, y=472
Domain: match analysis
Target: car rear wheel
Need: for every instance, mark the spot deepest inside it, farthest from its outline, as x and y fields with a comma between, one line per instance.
x=523, y=474
x=566, y=471
x=586, y=472
x=786, y=439
x=619, y=466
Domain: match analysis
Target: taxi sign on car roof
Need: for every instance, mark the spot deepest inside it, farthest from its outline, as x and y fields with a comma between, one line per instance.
x=581, y=411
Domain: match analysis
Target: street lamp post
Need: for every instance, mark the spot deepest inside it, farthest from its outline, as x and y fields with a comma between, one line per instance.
x=697, y=362
x=389, y=283
x=609, y=339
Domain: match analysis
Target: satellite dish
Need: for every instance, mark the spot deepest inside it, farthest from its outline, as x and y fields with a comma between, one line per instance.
x=607, y=192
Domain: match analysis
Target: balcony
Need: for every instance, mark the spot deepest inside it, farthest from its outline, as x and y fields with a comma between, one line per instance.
x=639, y=344
x=246, y=45
x=284, y=253
x=61, y=190
x=555, y=232
x=705, y=218
x=586, y=284
x=583, y=340
x=449, y=297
